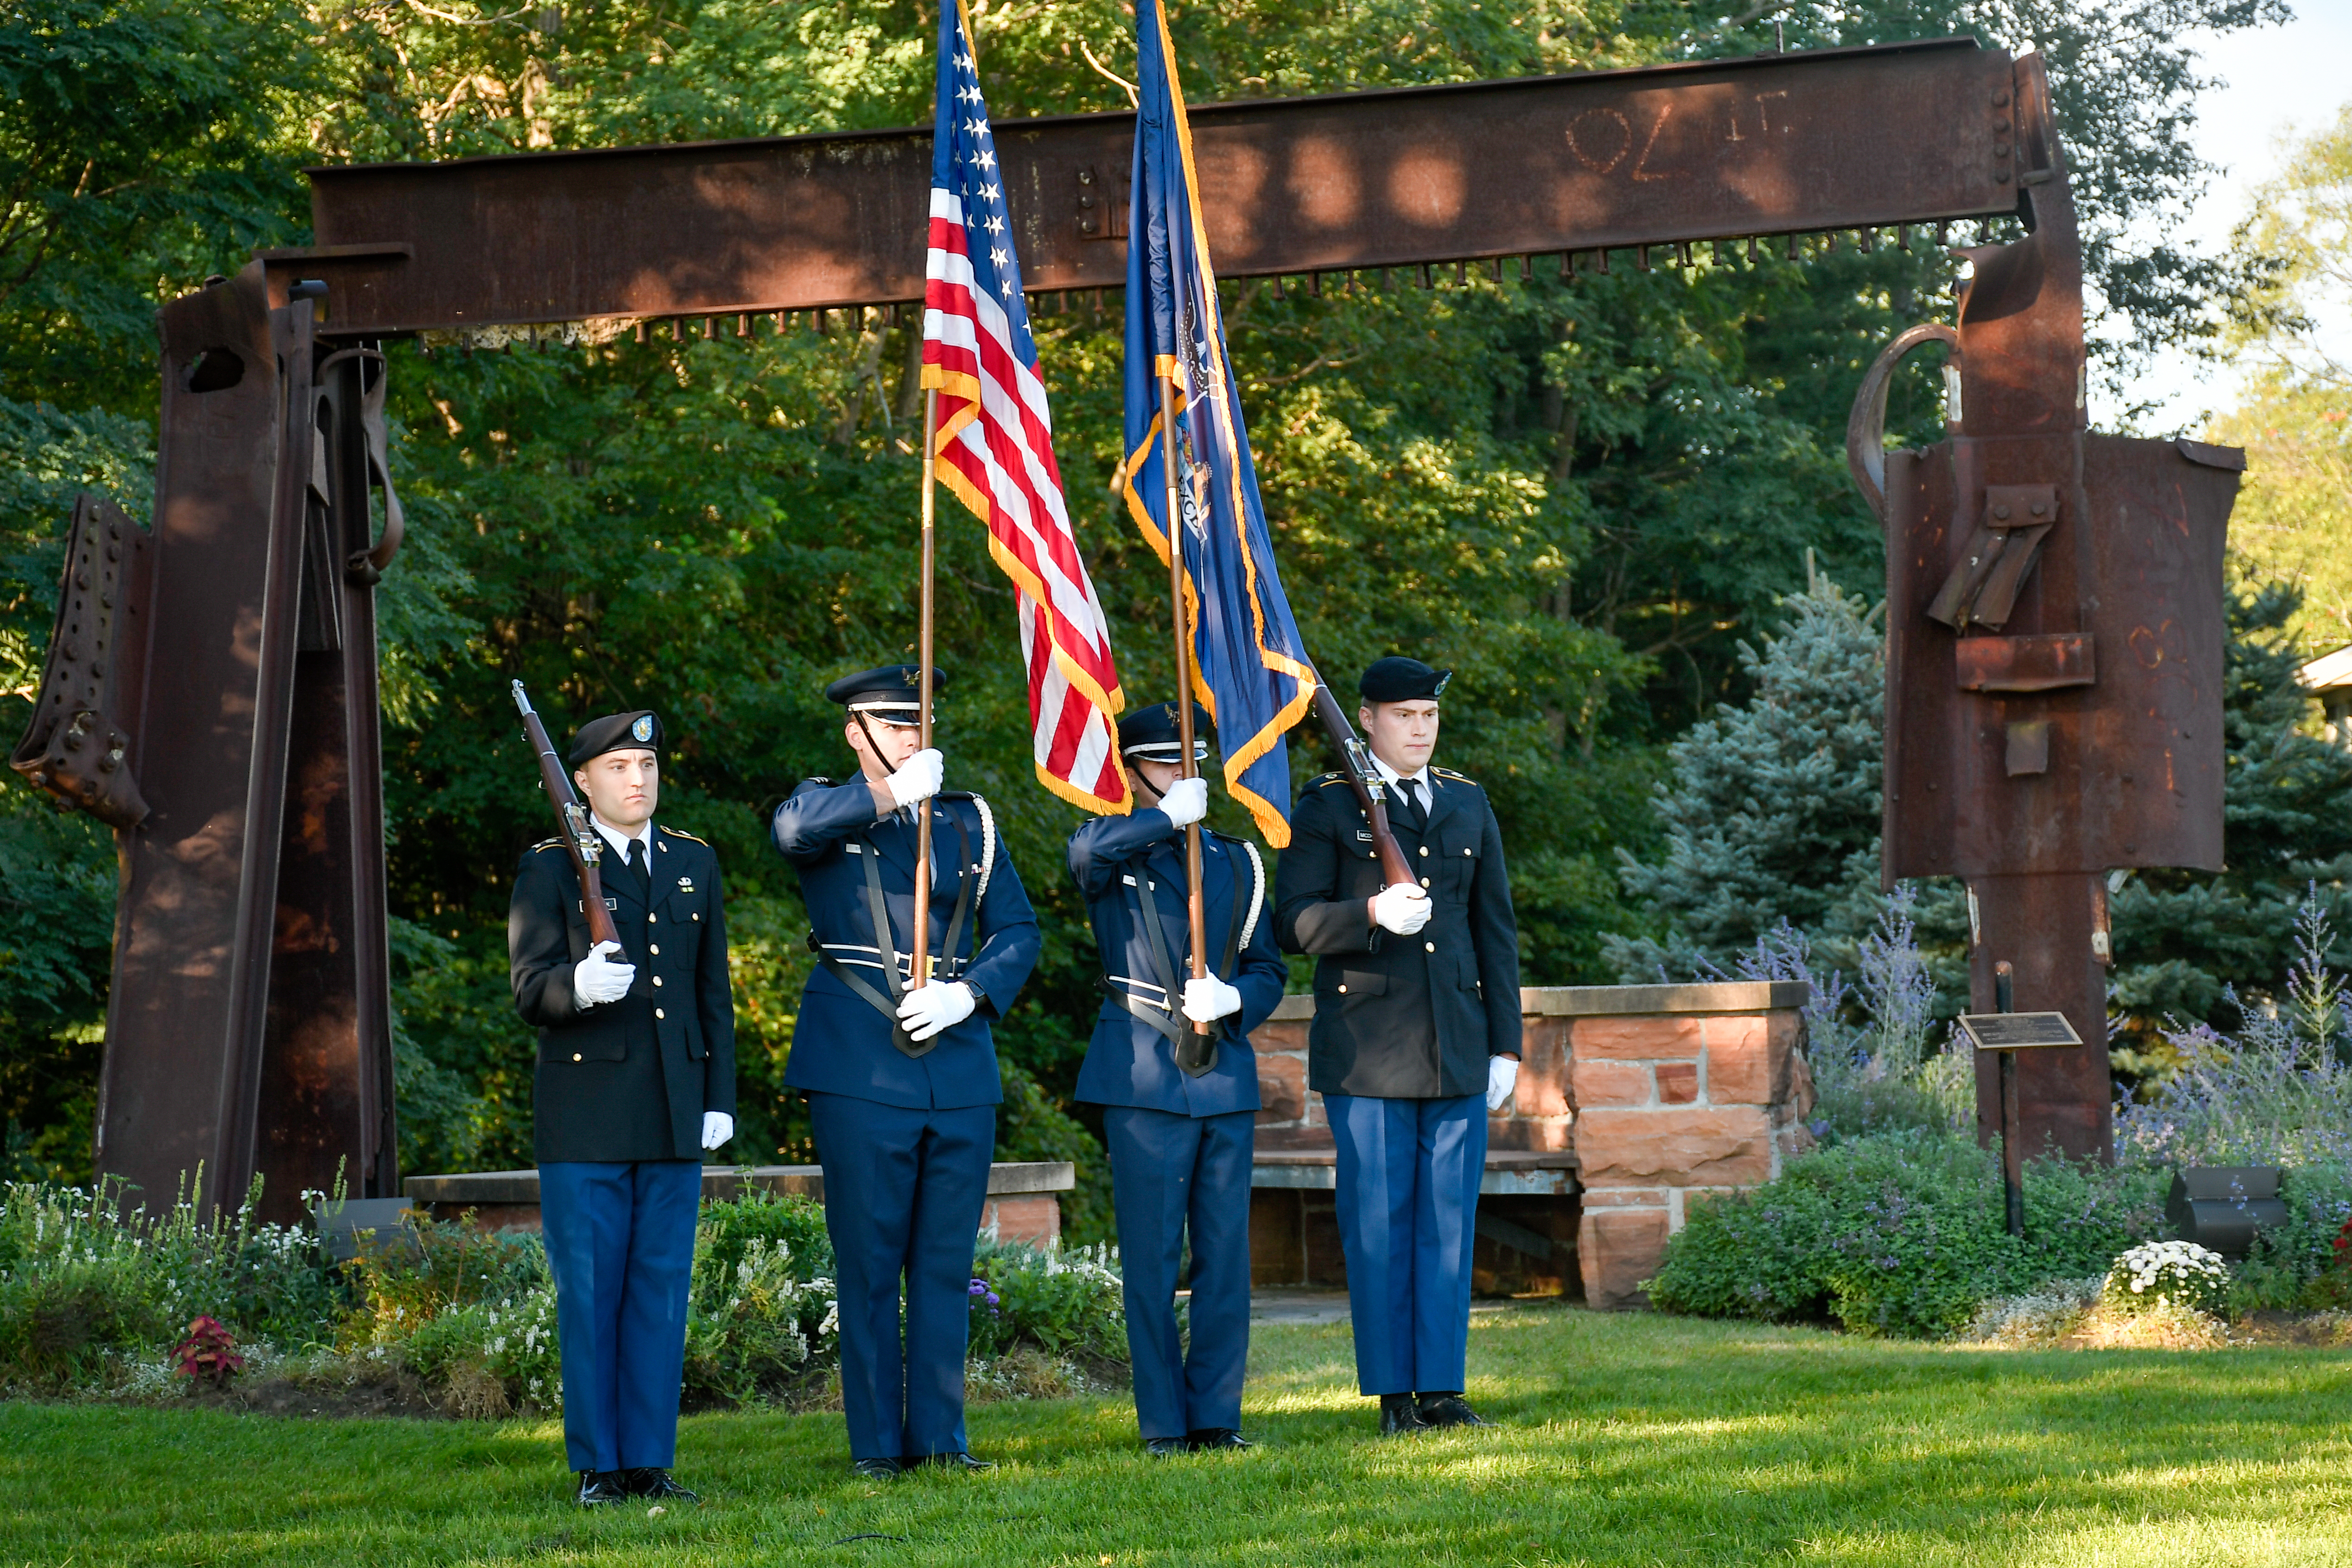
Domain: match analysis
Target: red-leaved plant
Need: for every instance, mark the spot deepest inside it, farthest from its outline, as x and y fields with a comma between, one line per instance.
x=209, y=1352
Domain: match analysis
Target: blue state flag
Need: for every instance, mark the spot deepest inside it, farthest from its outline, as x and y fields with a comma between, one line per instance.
x=1250, y=665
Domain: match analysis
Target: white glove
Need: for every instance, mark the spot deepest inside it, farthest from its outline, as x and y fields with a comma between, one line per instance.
x=1502, y=1078
x=1401, y=908
x=1208, y=999
x=597, y=978
x=932, y=1008
x=1186, y=802
x=717, y=1128
x=918, y=780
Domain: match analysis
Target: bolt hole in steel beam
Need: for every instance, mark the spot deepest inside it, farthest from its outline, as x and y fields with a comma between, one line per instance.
x=216, y=370
x=1837, y=139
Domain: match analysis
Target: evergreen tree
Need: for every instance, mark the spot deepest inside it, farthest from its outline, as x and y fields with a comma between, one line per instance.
x=1771, y=813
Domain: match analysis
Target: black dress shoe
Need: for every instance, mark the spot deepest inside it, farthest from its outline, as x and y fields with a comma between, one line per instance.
x=879, y=1469
x=1207, y=1439
x=1449, y=1410
x=1166, y=1448
x=600, y=1488
x=958, y=1460
x=654, y=1484
x=1400, y=1416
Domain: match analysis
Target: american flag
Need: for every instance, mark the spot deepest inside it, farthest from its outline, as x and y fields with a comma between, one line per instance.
x=995, y=442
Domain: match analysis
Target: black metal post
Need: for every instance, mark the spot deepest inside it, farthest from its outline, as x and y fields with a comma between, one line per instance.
x=2013, y=1162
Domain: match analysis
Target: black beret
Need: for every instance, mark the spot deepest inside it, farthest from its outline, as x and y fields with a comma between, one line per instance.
x=1152, y=733
x=1400, y=679
x=615, y=733
x=892, y=693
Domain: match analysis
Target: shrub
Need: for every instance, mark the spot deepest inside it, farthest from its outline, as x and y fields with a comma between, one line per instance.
x=762, y=1313
x=83, y=1284
x=1900, y=1232
x=1064, y=1303
x=2167, y=1274
x=2279, y=1092
x=409, y=1277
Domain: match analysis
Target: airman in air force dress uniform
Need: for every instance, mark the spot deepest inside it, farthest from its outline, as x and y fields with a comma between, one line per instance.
x=636, y=1078
x=1179, y=1107
x=901, y=1069
x=1416, y=1035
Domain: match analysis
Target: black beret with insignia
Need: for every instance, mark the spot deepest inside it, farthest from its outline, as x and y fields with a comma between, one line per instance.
x=892, y=693
x=640, y=731
x=1400, y=679
x=1152, y=734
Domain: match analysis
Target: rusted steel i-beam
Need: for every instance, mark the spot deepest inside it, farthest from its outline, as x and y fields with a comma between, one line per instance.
x=1840, y=138
x=2055, y=626
x=248, y=1028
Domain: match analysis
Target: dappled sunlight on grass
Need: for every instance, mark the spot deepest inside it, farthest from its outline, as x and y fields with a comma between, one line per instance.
x=1624, y=1440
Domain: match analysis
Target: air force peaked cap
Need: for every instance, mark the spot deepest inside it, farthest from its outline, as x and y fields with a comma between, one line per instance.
x=1152, y=734
x=1399, y=679
x=892, y=693
x=640, y=731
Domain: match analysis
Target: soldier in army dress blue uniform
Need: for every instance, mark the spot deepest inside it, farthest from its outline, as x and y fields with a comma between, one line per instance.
x=901, y=1069
x=1417, y=1037
x=1180, y=1108
x=636, y=1078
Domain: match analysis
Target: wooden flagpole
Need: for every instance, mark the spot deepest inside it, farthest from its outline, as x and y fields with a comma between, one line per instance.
x=919, y=968
x=1174, y=521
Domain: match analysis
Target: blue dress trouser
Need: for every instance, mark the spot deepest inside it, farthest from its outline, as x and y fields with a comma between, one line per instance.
x=620, y=1243
x=903, y=1195
x=1170, y=1173
x=1407, y=1210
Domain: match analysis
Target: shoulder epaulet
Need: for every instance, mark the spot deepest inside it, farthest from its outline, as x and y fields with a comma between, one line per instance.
x=546, y=844
x=1327, y=780
x=819, y=780
x=1450, y=773
x=690, y=837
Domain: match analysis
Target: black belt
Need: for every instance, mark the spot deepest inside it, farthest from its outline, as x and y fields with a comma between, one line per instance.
x=1196, y=1053
x=885, y=941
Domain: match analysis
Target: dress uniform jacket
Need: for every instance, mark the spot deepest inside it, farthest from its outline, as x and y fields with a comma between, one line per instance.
x=842, y=1044
x=1402, y=1017
x=628, y=1080
x=1120, y=860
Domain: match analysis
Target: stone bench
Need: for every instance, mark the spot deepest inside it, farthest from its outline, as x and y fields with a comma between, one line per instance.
x=1022, y=1205
x=1630, y=1098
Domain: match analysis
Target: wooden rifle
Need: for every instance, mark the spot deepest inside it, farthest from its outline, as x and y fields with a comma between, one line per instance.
x=581, y=839
x=1371, y=790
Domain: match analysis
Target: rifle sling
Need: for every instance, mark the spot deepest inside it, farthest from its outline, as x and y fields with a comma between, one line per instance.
x=1196, y=1053
x=886, y=940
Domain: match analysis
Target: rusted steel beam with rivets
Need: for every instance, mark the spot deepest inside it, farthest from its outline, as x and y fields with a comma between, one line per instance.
x=1838, y=139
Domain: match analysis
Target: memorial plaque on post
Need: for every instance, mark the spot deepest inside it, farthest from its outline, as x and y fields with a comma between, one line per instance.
x=2018, y=1031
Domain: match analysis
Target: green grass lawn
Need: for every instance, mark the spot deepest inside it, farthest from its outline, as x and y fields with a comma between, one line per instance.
x=1625, y=1439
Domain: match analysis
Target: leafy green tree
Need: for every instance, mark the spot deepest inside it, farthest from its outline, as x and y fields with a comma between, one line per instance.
x=2292, y=417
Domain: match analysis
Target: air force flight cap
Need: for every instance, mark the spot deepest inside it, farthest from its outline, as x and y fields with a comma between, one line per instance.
x=640, y=731
x=1399, y=679
x=1151, y=733
x=892, y=694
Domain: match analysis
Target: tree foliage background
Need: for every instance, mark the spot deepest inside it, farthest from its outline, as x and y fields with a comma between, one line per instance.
x=1580, y=497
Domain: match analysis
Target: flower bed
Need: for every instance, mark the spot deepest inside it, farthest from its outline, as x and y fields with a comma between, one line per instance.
x=451, y=1320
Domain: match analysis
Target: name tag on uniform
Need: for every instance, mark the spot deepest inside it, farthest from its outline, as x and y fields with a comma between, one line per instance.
x=1364, y=835
x=582, y=905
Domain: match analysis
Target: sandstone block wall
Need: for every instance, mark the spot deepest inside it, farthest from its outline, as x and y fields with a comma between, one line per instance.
x=1669, y=1104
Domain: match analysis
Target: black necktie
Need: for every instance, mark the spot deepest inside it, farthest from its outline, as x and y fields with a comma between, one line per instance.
x=1415, y=815
x=640, y=870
